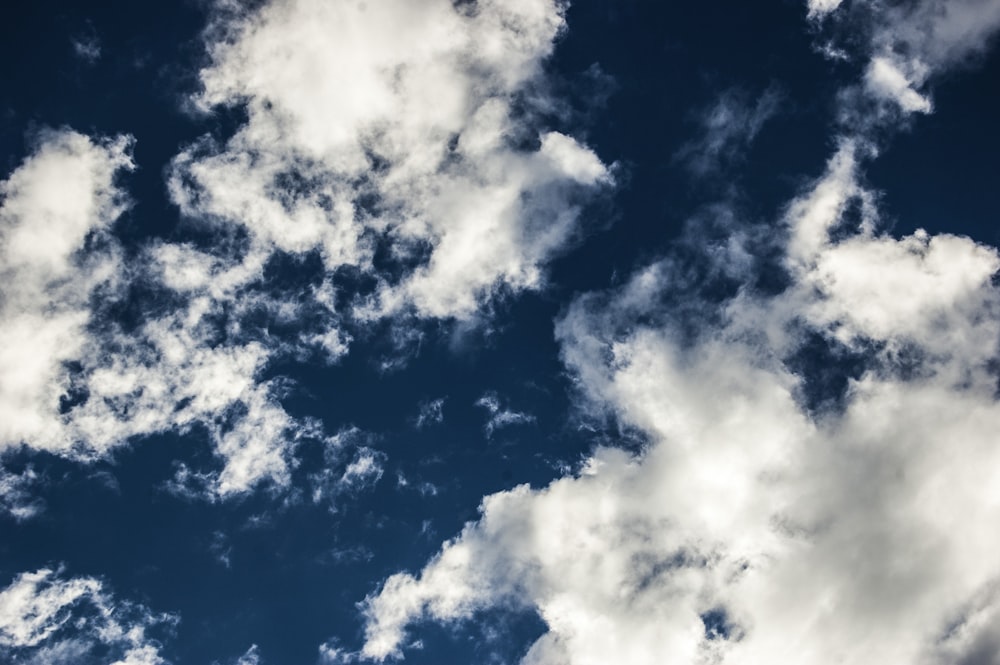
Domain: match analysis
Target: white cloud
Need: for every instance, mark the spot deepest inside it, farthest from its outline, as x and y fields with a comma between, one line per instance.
x=884, y=79
x=330, y=653
x=45, y=617
x=17, y=497
x=391, y=123
x=939, y=33
x=820, y=8
x=752, y=528
x=61, y=197
x=77, y=383
x=907, y=44
x=386, y=128
x=499, y=416
x=251, y=657
x=339, y=475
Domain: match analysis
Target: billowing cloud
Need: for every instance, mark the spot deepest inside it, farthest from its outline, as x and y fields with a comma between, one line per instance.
x=395, y=133
x=61, y=198
x=820, y=8
x=753, y=527
x=396, y=144
x=48, y=618
x=772, y=514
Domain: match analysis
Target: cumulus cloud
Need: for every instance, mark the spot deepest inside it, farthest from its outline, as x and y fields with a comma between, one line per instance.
x=48, y=618
x=390, y=166
x=391, y=131
x=758, y=524
x=820, y=8
x=62, y=197
x=752, y=527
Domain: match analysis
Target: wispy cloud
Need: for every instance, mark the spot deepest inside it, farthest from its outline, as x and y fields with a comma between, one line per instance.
x=728, y=127
x=431, y=412
x=48, y=618
x=499, y=416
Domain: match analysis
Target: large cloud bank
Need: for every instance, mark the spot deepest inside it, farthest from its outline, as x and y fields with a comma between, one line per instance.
x=770, y=517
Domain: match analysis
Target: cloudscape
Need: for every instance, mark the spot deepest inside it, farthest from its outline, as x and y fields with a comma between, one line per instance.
x=500, y=331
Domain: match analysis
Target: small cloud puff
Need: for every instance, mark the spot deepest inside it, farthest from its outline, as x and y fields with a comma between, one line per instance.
x=500, y=417
x=431, y=412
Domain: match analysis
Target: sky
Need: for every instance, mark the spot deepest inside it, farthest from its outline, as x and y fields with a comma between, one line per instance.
x=500, y=332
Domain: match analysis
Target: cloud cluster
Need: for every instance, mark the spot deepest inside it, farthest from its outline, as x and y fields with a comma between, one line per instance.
x=392, y=165
x=61, y=198
x=393, y=138
x=752, y=529
x=760, y=524
x=48, y=618
x=79, y=382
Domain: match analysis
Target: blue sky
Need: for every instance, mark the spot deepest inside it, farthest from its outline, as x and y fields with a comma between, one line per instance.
x=500, y=331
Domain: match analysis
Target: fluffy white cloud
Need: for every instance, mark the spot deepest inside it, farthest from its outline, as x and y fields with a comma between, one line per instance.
x=75, y=382
x=820, y=8
x=751, y=529
x=755, y=526
x=392, y=125
x=390, y=140
x=45, y=617
x=907, y=43
x=60, y=198
x=17, y=497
